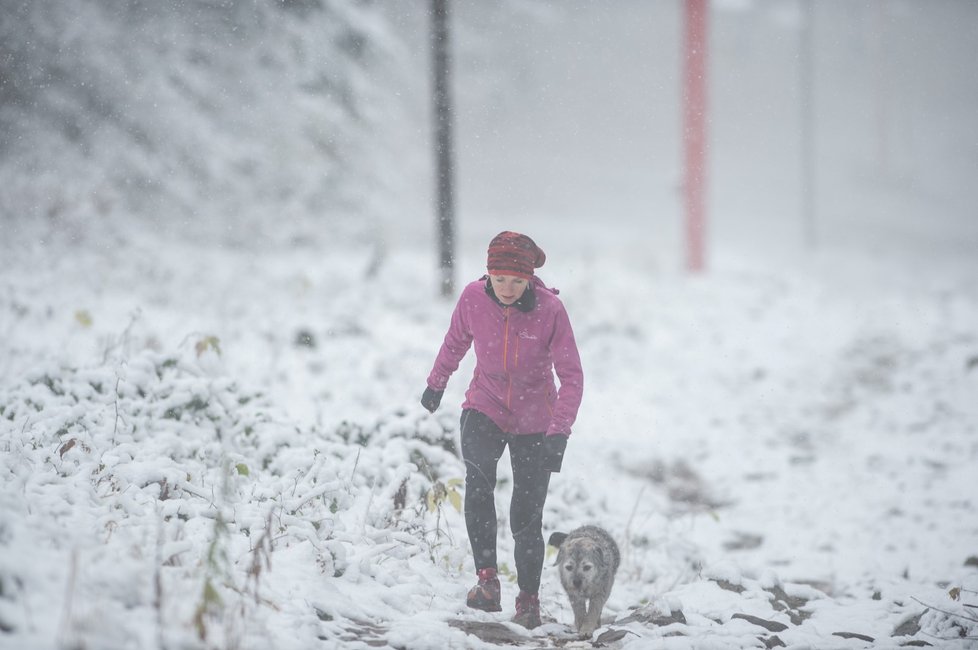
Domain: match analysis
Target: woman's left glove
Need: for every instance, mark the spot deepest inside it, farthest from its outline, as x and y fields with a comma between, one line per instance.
x=431, y=398
x=553, y=452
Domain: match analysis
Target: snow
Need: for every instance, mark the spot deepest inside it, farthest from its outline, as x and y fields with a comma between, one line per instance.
x=757, y=429
x=214, y=440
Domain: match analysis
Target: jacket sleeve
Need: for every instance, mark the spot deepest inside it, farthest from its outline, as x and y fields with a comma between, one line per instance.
x=567, y=365
x=457, y=341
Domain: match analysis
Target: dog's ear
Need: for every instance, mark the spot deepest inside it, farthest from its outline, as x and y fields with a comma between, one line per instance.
x=556, y=539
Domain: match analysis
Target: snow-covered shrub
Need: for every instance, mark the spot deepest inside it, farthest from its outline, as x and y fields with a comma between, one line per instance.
x=955, y=618
x=172, y=489
x=111, y=103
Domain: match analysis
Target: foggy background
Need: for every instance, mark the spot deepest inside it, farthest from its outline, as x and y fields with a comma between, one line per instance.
x=247, y=122
x=587, y=125
x=217, y=248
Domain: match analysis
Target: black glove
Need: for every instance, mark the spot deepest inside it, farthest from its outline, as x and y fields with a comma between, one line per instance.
x=431, y=398
x=553, y=452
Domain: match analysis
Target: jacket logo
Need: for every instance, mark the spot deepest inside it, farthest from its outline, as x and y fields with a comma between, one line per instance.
x=526, y=335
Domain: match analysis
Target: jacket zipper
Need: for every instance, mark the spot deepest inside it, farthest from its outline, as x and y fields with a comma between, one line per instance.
x=509, y=377
x=516, y=355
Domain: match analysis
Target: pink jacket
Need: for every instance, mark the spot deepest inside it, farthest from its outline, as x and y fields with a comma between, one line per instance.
x=516, y=355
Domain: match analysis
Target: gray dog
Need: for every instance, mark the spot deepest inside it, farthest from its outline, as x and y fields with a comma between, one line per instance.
x=588, y=559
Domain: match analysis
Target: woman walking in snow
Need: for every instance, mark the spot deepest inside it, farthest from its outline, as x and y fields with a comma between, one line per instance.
x=521, y=336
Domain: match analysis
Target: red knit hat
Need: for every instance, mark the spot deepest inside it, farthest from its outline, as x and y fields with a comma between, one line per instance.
x=511, y=253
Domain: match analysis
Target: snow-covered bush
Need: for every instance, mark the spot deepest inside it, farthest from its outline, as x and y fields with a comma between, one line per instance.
x=955, y=617
x=104, y=109
x=172, y=490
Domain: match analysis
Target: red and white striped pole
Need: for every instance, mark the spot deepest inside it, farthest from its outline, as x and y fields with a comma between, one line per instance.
x=694, y=131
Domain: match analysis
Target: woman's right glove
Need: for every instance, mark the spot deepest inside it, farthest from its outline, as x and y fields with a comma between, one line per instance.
x=431, y=398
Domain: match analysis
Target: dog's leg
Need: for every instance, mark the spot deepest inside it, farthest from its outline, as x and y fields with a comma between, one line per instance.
x=592, y=620
x=580, y=610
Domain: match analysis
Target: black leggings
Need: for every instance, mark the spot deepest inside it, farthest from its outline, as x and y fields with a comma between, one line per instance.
x=482, y=446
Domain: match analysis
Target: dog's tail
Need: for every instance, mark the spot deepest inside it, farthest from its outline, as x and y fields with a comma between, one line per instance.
x=556, y=539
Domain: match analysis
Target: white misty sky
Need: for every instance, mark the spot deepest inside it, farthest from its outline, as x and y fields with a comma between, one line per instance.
x=573, y=112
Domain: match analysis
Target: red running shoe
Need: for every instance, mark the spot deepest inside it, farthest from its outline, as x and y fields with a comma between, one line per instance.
x=527, y=610
x=486, y=594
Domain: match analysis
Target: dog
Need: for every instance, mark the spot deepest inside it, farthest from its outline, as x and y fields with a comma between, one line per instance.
x=588, y=559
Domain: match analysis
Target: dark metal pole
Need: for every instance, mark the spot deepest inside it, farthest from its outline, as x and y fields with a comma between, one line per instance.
x=443, y=143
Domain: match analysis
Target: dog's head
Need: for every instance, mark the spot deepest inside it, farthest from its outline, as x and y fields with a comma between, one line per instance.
x=583, y=564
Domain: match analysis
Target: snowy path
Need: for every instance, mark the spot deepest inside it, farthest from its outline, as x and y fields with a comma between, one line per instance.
x=784, y=461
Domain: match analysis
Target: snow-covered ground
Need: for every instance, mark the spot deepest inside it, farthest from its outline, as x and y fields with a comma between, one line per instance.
x=211, y=437
x=176, y=416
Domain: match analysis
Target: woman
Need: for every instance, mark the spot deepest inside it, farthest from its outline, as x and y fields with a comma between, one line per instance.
x=521, y=335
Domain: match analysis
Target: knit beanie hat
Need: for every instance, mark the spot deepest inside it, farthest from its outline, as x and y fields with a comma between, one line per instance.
x=511, y=253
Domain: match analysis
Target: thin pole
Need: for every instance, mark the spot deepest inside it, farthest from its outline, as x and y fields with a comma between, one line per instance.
x=694, y=131
x=807, y=78
x=443, y=143
x=881, y=86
